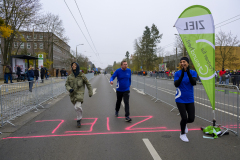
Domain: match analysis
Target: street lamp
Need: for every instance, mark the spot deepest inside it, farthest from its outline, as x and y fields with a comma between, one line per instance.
x=176, y=56
x=76, y=48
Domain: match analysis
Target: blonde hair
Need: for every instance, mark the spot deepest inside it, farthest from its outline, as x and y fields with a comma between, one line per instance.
x=180, y=66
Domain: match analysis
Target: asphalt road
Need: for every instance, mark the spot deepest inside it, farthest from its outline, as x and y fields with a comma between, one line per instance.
x=154, y=132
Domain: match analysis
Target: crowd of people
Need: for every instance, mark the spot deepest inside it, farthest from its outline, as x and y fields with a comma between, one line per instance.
x=222, y=77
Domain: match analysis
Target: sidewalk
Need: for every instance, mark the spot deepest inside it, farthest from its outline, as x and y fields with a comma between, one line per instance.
x=15, y=81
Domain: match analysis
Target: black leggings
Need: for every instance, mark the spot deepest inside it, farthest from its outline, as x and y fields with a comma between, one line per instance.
x=184, y=109
x=125, y=96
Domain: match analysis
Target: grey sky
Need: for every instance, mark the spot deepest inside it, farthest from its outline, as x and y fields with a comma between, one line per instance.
x=115, y=24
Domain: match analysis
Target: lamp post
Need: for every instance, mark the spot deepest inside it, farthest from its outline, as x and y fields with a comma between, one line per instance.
x=176, y=56
x=76, y=49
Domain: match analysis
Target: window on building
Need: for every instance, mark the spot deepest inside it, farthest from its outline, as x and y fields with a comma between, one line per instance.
x=41, y=45
x=40, y=36
x=15, y=44
x=29, y=37
x=22, y=46
x=35, y=36
x=28, y=45
x=35, y=45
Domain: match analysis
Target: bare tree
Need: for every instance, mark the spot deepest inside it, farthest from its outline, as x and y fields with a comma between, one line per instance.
x=17, y=14
x=52, y=26
x=225, y=45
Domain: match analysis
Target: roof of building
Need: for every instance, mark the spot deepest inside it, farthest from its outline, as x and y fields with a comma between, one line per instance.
x=24, y=57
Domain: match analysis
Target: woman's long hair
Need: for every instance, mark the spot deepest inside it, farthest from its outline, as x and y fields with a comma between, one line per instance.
x=180, y=66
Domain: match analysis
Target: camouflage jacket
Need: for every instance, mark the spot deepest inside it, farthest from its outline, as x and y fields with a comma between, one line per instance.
x=78, y=85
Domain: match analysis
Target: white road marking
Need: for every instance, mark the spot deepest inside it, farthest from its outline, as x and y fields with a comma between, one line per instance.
x=151, y=149
x=114, y=89
x=94, y=91
x=139, y=91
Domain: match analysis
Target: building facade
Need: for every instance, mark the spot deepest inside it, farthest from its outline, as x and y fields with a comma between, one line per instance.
x=54, y=49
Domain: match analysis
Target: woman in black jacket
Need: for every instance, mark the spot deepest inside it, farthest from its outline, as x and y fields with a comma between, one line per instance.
x=36, y=73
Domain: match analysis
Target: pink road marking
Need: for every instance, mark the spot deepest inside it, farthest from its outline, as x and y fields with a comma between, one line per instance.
x=91, y=128
x=100, y=133
x=53, y=121
x=108, y=128
x=148, y=117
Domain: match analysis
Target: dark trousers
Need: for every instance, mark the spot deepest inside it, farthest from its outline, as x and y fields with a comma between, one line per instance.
x=42, y=77
x=30, y=85
x=234, y=81
x=56, y=74
x=187, y=112
x=125, y=96
x=6, y=77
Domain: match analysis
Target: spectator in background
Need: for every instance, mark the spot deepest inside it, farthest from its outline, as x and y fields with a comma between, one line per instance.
x=227, y=76
x=18, y=72
x=36, y=73
x=46, y=73
x=8, y=73
x=42, y=74
x=234, y=77
x=65, y=73
x=221, y=73
x=30, y=75
x=57, y=71
x=62, y=73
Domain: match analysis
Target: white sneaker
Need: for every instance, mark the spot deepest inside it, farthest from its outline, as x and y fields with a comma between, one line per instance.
x=186, y=129
x=184, y=138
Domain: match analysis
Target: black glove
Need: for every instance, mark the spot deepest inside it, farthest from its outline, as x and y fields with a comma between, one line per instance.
x=192, y=80
x=71, y=90
x=178, y=82
x=188, y=70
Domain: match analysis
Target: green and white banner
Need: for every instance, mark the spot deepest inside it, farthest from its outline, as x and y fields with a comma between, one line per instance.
x=196, y=29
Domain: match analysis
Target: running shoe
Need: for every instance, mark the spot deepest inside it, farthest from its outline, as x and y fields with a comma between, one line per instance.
x=127, y=119
x=79, y=123
x=186, y=129
x=116, y=114
x=184, y=138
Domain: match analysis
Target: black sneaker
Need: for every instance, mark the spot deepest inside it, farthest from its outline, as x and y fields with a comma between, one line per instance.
x=127, y=119
x=79, y=123
x=116, y=114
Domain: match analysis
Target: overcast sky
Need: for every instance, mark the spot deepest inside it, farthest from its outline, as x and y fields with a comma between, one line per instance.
x=115, y=24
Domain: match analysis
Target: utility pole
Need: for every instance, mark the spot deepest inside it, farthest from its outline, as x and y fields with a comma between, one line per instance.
x=76, y=49
x=176, y=60
x=184, y=50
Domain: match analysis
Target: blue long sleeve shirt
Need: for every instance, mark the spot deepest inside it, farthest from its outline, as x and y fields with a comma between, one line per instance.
x=123, y=79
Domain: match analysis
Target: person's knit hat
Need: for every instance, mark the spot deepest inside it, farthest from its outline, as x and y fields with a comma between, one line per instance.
x=185, y=58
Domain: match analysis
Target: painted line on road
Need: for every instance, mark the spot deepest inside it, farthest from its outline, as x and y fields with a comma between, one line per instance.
x=151, y=149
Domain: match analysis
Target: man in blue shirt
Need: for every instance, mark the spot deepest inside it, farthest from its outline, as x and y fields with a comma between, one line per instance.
x=123, y=75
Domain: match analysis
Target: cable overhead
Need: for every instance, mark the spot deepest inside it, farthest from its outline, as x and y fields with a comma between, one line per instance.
x=170, y=44
x=86, y=27
x=227, y=23
x=227, y=20
x=79, y=27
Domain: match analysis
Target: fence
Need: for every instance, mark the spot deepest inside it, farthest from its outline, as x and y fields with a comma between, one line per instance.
x=16, y=98
x=226, y=102
x=235, y=79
